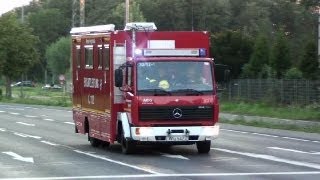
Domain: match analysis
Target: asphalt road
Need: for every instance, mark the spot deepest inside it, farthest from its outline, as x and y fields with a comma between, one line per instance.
x=38, y=142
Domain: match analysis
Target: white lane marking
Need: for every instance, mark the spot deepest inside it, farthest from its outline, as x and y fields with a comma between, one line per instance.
x=14, y=113
x=26, y=124
x=2, y=111
x=243, y=132
x=15, y=108
x=297, y=139
x=3, y=129
x=69, y=123
x=49, y=143
x=268, y=135
x=224, y=159
x=26, y=135
x=30, y=116
x=167, y=175
x=117, y=162
x=19, y=158
x=271, y=158
x=47, y=119
x=69, y=111
x=294, y=150
x=174, y=156
x=20, y=134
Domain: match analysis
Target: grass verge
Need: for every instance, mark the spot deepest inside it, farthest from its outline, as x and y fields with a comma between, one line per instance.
x=309, y=129
x=309, y=112
x=38, y=96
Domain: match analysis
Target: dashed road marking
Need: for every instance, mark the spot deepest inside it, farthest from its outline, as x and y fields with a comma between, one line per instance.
x=26, y=124
x=14, y=113
x=49, y=143
x=48, y=119
x=26, y=135
x=30, y=116
x=69, y=123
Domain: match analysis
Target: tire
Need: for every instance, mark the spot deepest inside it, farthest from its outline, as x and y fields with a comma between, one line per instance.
x=93, y=141
x=203, y=147
x=127, y=146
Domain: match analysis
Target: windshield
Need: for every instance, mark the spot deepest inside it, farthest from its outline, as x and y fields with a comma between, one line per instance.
x=174, y=78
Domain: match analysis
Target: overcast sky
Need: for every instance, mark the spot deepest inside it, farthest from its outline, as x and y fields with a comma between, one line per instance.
x=7, y=5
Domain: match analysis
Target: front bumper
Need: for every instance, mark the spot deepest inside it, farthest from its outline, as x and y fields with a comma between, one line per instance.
x=175, y=133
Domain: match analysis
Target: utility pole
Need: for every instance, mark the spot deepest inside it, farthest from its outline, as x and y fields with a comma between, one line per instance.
x=192, y=14
x=127, y=12
x=319, y=37
x=82, y=12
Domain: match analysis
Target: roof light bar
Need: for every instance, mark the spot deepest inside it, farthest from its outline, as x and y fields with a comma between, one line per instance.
x=171, y=52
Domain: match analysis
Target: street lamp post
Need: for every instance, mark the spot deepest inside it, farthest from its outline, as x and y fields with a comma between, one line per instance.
x=319, y=37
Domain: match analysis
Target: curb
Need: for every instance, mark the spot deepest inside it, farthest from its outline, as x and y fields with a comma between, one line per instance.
x=300, y=123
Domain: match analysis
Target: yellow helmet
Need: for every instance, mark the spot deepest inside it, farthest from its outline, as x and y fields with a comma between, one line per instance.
x=164, y=84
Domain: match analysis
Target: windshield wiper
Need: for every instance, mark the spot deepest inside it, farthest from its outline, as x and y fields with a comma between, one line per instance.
x=156, y=91
x=190, y=91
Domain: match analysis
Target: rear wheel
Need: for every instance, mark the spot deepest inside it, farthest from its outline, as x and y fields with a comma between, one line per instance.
x=127, y=146
x=203, y=146
x=94, y=141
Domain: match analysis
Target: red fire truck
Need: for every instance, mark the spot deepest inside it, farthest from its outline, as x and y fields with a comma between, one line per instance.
x=133, y=86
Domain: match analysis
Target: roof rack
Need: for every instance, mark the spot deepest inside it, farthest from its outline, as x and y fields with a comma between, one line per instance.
x=141, y=26
x=92, y=29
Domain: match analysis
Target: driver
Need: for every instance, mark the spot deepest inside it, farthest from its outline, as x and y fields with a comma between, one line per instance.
x=162, y=79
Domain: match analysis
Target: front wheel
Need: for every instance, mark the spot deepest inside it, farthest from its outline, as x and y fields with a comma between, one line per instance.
x=203, y=146
x=127, y=146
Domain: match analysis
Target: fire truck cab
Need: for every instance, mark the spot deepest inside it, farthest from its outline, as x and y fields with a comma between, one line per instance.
x=142, y=86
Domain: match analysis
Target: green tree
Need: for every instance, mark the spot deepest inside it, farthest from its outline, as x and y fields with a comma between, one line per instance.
x=17, y=49
x=58, y=56
x=100, y=12
x=112, y=12
x=232, y=48
x=48, y=25
x=309, y=63
x=280, y=55
x=260, y=55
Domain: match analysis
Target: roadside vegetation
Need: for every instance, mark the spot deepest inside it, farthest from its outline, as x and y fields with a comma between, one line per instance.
x=299, y=112
x=38, y=96
x=309, y=129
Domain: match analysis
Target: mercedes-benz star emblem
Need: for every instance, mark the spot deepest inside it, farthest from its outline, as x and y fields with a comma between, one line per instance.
x=177, y=113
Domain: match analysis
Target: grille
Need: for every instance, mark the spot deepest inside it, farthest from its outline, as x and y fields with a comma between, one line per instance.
x=176, y=113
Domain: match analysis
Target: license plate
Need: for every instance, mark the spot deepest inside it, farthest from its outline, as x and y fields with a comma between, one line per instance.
x=177, y=138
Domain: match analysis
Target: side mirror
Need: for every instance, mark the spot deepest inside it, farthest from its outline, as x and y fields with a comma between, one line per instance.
x=118, y=78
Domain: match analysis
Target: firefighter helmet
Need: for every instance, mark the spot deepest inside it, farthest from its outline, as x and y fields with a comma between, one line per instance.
x=164, y=84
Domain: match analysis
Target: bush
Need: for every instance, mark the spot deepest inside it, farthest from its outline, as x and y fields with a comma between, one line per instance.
x=293, y=73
